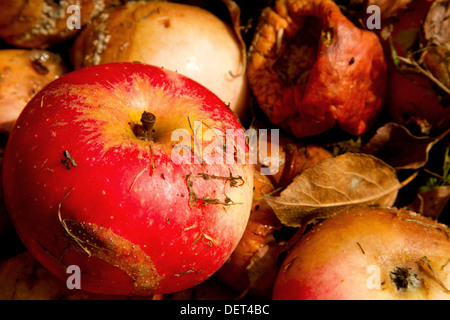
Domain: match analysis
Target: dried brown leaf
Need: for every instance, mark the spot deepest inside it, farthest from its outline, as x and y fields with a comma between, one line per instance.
x=436, y=30
x=431, y=203
x=395, y=145
x=436, y=26
x=235, y=15
x=336, y=184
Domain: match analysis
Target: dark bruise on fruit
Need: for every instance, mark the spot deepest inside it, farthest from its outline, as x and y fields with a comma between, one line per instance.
x=38, y=66
x=103, y=243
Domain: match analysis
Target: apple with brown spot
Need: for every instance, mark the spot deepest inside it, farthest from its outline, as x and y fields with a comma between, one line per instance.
x=180, y=37
x=368, y=254
x=23, y=73
x=112, y=168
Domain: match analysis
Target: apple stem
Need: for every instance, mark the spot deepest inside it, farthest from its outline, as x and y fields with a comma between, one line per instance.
x=144, y=131
x=148, y=121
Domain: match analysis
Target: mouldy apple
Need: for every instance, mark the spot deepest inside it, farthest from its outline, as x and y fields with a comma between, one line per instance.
x=368, y=254
x=91, y=179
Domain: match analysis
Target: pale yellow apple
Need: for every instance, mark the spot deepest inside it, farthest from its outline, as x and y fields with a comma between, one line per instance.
x=178, y=37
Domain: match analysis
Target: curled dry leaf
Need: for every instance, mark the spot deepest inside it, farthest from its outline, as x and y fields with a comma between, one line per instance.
x=334, y=185
x=393, y=143
x=431, y=203
x=436, y=30
x=235, y=15
x=401, y=32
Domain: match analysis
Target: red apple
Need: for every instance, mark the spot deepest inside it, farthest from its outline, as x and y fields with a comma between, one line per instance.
x=373, y=254
x=90, y=182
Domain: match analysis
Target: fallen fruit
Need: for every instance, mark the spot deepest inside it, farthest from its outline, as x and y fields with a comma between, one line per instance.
x=24, y=278
x=311, y=69
x=23, y=73
x=371, y=254
x=178, y=37
x=40, y=24
x=92, y=180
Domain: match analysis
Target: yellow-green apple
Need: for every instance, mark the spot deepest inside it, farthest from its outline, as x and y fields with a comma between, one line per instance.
x=368, y=254
x=119, y=169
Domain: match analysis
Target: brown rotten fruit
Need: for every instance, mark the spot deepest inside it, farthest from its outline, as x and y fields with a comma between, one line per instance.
x=311, y=69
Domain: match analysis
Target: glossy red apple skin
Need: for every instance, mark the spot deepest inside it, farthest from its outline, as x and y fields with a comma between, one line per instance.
x=355, y=256
x=126, y=213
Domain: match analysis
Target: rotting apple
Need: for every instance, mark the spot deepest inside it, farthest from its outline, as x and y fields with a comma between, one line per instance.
x=23, y=73
x=311, y=69
x=368, y=254
x=43, y=24
x=91, y=179
x=176, y=36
